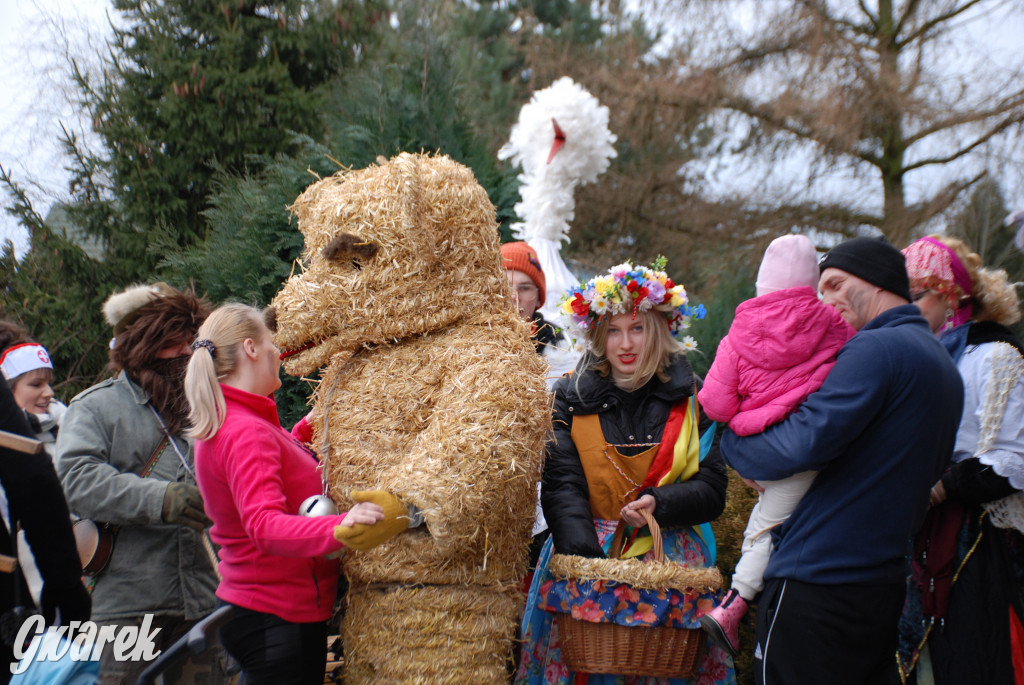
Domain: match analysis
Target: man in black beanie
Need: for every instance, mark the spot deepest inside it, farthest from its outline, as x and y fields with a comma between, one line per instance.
x=871, y=262
x=879, y=431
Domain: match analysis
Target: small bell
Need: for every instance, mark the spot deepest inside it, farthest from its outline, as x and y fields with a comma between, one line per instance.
x=321, y=505
x=318, y=505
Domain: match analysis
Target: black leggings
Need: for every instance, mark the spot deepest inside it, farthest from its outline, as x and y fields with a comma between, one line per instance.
x=273, y=651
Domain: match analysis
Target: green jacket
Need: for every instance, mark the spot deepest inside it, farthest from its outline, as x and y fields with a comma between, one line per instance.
x=108, y=434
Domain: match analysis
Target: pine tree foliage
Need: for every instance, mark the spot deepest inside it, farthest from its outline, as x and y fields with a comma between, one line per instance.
x=191, y=89
x=252, y=241
x=55, y=292
x=196, y=86
x=981, y=223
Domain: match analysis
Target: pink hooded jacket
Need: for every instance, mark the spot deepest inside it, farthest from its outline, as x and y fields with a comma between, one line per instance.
x=778, y=351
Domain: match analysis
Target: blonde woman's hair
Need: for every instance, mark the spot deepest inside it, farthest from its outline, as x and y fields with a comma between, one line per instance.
x=655, y=357
x=225, y=328
x=994, y=297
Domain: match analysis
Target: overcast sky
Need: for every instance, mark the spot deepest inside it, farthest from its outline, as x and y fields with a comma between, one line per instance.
x=34, y=103
x=33, y=99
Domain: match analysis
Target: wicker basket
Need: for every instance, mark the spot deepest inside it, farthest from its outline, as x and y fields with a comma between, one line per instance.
x=653, y=651
x=661, y=651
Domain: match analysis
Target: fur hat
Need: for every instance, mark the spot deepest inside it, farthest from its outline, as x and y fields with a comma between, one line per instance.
x=519, y=256
x=789, y=262
x=122, y=308
x=874, y=260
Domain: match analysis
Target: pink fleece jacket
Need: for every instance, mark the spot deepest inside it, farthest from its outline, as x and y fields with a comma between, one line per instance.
x=778, y=351
x=254, y=475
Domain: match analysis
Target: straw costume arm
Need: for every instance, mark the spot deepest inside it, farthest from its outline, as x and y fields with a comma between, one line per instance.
x=565, y=495
x=460, y=463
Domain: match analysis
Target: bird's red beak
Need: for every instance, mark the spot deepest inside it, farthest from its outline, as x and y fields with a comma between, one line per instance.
x=558, y=142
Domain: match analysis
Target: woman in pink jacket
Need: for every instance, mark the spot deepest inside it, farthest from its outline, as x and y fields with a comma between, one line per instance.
x=276, y=566
x=780, y=347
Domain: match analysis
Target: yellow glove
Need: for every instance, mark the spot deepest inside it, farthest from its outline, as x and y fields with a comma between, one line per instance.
x=362, y=536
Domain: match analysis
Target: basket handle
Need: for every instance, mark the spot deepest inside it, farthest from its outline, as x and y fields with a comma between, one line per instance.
x=620, y=531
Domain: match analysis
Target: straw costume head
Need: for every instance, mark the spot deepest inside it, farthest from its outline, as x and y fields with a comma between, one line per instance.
x=432, y=391
x=377, y=270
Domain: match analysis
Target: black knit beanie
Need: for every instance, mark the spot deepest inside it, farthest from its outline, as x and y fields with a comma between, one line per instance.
x=873, y=259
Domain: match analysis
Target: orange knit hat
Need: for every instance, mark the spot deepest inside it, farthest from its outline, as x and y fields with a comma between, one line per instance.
x=519, y=256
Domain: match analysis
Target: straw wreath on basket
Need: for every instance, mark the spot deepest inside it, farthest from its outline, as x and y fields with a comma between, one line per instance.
x=638, y=574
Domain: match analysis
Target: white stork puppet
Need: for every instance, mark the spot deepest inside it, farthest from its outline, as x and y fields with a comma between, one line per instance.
x=561, y=140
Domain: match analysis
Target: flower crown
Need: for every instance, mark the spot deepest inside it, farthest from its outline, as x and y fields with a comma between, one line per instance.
x=627, y=288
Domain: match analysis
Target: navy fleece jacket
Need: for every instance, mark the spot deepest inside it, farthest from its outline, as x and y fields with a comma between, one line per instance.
x=880, y=430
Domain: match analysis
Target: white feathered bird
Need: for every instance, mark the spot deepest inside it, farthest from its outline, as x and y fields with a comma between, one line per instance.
x=561, y=141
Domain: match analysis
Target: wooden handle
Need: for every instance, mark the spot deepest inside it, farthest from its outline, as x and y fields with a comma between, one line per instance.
x=20, y=443
x=620, y=531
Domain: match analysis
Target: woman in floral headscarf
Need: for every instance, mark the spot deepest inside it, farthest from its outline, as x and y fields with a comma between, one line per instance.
x=962, y=621
x=627, y=437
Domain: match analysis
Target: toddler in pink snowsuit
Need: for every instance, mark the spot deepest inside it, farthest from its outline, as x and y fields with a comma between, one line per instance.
x=780, y=347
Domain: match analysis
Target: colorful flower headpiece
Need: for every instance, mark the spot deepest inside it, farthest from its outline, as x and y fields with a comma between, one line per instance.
x=624, y=289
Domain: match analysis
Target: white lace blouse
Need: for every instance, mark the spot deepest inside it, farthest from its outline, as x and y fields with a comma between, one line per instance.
x=992, y=428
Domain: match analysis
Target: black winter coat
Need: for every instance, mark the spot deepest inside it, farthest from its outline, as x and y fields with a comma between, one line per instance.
x=626, y=418
x=36, y=501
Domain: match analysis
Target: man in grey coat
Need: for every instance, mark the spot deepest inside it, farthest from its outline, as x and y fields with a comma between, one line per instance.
x=123, y=460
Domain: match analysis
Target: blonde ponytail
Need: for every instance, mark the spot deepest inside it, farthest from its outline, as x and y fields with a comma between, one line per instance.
x=214, y=355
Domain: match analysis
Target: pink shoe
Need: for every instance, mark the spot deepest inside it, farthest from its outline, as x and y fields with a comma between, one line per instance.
x=722, y=624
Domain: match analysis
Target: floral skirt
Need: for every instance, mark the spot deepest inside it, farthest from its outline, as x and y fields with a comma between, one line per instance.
x=541, y=660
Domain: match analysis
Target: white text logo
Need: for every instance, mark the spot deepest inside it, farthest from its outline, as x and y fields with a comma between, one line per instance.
x=83, y=641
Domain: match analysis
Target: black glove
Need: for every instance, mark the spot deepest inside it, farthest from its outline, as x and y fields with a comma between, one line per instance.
x=74, y=602
x=183, y=506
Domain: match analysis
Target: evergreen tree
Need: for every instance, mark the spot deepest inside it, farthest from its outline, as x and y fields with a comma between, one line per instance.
x=56, y=293
x=196, y=86
x=190, y=89
x=980, y=223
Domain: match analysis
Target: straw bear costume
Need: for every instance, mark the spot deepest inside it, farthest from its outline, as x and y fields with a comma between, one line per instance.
x=431, y=391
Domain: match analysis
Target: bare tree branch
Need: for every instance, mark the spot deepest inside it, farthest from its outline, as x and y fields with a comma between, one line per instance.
x=1014, y=106
x=867, y=13
x=909, y=11
x=957, y=154
x=927, y=26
